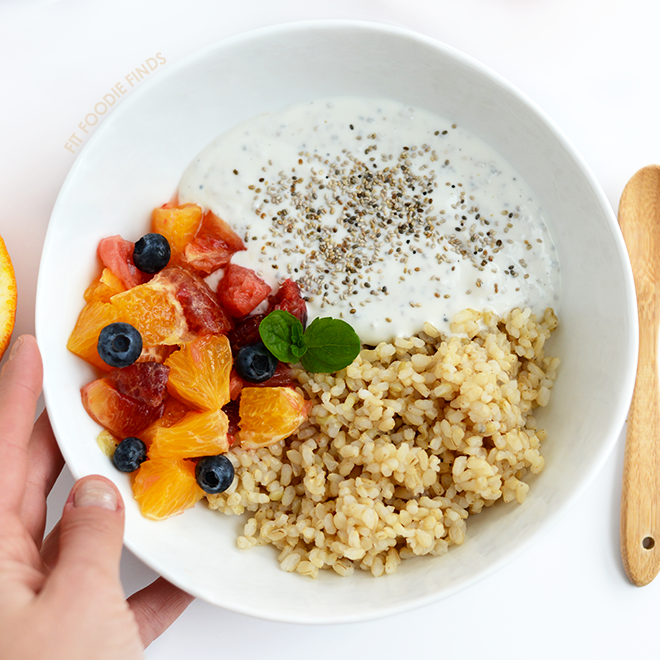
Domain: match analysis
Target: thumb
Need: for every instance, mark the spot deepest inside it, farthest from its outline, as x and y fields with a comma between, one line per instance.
x=91, y=533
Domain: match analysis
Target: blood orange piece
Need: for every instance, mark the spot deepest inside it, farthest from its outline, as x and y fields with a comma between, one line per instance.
x=173, y=411
x=236, y=384
x=120, y=414
x=203, y=312
x=231, y=410
x=245, y=331
x=213, y=245
x=241, y=290
x=165, y=487
x=143, y=381
x=289, y=298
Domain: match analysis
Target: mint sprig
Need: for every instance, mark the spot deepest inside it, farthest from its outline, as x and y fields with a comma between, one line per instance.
x=327, y=345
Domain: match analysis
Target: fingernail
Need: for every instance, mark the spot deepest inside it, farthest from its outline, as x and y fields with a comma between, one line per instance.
x=95, y=492
x=16, y=347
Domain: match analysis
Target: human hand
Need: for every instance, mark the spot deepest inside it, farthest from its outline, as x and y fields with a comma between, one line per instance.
x=61, y=598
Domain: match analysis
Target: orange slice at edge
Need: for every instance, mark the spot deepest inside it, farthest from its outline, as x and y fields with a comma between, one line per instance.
x=7, y=298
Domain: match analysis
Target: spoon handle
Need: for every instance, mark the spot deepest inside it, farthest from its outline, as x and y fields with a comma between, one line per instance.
x=639, y=217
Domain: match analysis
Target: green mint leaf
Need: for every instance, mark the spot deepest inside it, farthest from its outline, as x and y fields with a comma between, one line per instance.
x=282, y=333
x=332, y=344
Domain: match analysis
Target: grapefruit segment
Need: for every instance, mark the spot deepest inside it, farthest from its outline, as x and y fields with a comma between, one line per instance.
x=116, y=253
x=241, y=290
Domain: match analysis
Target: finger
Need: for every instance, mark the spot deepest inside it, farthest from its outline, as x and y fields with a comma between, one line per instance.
x=157, y=607
x=45, y=464
x=90, y=538
x=50, y=547
x=20, y=386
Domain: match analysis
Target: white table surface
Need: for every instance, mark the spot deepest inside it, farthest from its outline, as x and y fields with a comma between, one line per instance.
x=592, y=65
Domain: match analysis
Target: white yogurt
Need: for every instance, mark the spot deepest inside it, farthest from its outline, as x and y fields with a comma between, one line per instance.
x=387, y=216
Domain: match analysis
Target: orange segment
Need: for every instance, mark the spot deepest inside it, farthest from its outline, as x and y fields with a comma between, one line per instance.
x=7, y=298
x=154, y=310
x=196, y=434
x=164, y=487
x=269, y=414
x=199, y=372
x=85, y=336
x=104, y=288
x=178, y=224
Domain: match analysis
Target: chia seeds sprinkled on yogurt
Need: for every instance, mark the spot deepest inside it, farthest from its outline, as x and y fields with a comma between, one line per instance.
x=386, y=216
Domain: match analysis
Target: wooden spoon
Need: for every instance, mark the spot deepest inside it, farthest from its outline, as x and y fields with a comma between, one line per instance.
x=639, y=218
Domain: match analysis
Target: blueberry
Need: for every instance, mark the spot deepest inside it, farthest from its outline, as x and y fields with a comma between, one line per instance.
x=151, y=253
x=255, y=363
x=214, y=474
x=119, y=345
x=129, y=455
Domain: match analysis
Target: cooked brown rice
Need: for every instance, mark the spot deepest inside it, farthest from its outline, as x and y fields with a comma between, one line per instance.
x=401, y=447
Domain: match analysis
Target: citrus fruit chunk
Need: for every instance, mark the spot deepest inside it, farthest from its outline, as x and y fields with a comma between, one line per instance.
x=269, y=414
x=213, y=245
x=201, y=308
x=116, y=412
x=156, y=353
x=164, y=487
x=85, y=336
x=196, y=434
x=142, y=381
x=241, y=290
x=104, y=288
x=289, y=298
x=7, y=298
x=116, y=253
x=154, y=310
x=199, y=372
x=178, y=224
x=107, y=442
x=173, y=411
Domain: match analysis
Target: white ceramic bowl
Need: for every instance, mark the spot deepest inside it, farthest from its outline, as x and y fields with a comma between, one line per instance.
x=134, y=161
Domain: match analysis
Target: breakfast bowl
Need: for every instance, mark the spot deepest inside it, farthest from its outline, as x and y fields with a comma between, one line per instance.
x=134, y=163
